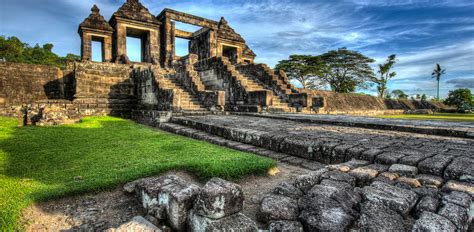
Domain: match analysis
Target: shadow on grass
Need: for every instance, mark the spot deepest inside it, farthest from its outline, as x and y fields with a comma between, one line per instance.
x=103, y=152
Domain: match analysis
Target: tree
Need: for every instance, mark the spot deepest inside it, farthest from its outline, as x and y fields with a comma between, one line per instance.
x=424, y=97
x=385, y=75
x=13, y=50
x=344, y=70
x=437, y=72
x=304, y=68
x=461, y=98
x=399, y=94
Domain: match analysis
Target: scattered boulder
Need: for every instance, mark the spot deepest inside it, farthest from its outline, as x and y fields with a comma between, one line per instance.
x=170, y=192
x=234, y=222
x=219, y=198
x=306, y=182
x=277, y=207
x=285, y=226
x=288, y=190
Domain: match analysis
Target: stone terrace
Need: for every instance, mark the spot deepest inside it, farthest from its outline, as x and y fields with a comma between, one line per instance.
x=375, y=179
x=449, y=157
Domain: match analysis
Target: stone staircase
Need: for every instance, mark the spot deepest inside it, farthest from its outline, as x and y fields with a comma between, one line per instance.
x=279, y=103
x=185, y=100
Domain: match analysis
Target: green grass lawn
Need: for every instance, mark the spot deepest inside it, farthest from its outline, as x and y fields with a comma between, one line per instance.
x=453, y=117
x=40, y=163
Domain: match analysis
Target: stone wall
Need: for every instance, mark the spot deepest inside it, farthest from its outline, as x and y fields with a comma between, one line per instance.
x=26, y=83
x=328, y=102
x=104, y=89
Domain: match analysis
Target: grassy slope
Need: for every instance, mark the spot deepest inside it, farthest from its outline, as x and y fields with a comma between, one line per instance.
x=39, y=163
x=439, y=116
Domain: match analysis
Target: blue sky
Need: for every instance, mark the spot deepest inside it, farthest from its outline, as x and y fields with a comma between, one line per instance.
x=421, y=33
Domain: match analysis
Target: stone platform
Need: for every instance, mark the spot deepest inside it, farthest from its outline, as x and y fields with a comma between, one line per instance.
x=443, y=128
x=448, y=157
x=375, y=179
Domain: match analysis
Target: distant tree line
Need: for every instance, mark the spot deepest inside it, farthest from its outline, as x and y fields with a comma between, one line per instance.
x=13, y=49
x=346, y=70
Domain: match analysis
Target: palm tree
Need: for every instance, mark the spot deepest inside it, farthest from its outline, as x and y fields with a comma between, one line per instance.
x=437, y=72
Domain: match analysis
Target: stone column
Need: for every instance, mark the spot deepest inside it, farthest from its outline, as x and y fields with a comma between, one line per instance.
x=107, y=48
x=86, y=47
x=121, y=34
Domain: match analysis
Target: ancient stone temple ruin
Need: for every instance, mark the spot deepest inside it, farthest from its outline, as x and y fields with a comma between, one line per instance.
x=218, y=74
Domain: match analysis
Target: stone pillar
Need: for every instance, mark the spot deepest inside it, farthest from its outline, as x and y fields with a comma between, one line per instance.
x=154, y=40
x=86, y=47
x=107, y=45
x=121, y=37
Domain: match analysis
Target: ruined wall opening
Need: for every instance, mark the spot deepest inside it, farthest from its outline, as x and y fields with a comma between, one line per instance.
x=137, y=44
x=230, y=52
x=181, y=47
x=97, y=47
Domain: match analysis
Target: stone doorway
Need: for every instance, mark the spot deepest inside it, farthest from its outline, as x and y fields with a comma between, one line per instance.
x=98, y=49
x=138, y=45
x=230, y=52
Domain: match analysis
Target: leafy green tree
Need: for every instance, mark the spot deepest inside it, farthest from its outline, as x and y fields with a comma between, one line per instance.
x=306, y=69
x=437, y=73
x=385, y=75
x=14, y=50
x=398, y=93
x=345, y=70
x=461, y=98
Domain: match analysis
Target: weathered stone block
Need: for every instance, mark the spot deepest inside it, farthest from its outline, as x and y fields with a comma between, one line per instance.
x=430, y=180
x=432, y=222
x=219, y=198
x=458, y=198
x=377, y=217
x=427, y=203
x=434, y=165
x=170, y=191
x=459, y=167
x=456, y=214
x=288, y=190
x=363, y=175
x=398, y=199
x=285, y=226
x=459, y=186
x=326, y=214
x=403, y=170
x=234, y=222
x=277, y=207
x=339, y=176
x=306, y=182
x=389, y=157
x=370, y=154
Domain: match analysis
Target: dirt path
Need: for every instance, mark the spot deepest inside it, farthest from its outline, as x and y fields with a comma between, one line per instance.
x=99, y=211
